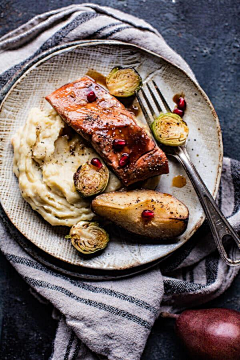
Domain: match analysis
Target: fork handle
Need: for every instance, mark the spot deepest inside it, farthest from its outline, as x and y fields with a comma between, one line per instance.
x=219, y=225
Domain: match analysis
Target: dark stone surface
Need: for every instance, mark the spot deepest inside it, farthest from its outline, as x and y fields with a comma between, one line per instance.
x=207, y=34
x=27, y=326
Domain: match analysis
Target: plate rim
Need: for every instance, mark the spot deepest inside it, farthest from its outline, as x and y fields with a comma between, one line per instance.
x=53, y=51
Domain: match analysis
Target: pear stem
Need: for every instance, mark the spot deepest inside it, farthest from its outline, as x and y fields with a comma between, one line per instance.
x=169, y=315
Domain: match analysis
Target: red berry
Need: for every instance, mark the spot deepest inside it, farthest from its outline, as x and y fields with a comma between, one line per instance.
x=178, y=112
x=91, y=96
x=96, y=162
x=118, y=144
x=124, y=160
x=148, y=214
x=181, y=103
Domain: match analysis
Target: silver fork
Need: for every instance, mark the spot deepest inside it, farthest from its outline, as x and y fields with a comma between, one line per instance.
x=220, y=227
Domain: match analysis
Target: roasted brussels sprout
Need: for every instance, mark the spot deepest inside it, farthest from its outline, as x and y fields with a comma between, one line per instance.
x=91, y=178
x=170, y=129
x=123, y=82
x=88, y=237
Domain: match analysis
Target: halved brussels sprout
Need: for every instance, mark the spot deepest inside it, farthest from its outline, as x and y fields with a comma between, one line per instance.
x=88, y=237
x=123, y=82
x=170, y=129
x=91, y=180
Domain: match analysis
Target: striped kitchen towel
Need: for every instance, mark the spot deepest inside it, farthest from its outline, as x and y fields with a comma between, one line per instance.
x=113, y=319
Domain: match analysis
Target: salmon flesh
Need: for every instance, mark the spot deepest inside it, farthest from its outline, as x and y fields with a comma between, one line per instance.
x=103, y=120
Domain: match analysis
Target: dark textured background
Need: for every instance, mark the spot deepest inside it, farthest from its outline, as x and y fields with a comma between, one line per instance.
x=207, y=34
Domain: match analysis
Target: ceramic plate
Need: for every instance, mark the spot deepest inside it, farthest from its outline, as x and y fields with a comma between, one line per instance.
x=67, y=63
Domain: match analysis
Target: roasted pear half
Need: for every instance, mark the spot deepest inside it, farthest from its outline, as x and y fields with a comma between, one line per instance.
x=88, y=237
x=170, y=129
x=144, y=212
x=123, y=82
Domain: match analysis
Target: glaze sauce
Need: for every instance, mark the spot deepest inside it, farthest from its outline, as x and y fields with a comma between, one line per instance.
x=179, y=181
x=98, y=77
x=134, y=108
x=177, y=96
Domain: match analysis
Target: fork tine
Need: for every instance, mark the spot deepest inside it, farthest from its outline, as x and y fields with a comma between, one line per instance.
x=148, y=102
x=167, y=107
x=145, y=113
x=154, y=98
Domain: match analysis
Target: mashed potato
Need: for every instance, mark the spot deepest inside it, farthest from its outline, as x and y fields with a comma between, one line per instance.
x=46, y=154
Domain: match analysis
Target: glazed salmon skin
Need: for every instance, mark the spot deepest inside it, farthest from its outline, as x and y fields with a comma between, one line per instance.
x=103, y=120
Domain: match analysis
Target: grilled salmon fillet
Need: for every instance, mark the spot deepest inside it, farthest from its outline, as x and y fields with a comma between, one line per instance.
x=101, y=119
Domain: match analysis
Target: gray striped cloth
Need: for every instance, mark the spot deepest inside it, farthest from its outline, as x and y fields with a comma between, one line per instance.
x=112, y=319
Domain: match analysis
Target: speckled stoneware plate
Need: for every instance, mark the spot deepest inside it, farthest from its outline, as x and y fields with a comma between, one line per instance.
x=67, y=63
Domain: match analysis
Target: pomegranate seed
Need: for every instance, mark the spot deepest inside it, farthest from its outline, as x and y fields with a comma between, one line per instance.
x=148, y=214
x=91, y=96
x=118, y=144
x=96, y=162
x=124, y=160
x=181, y=103
x=178, y=112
